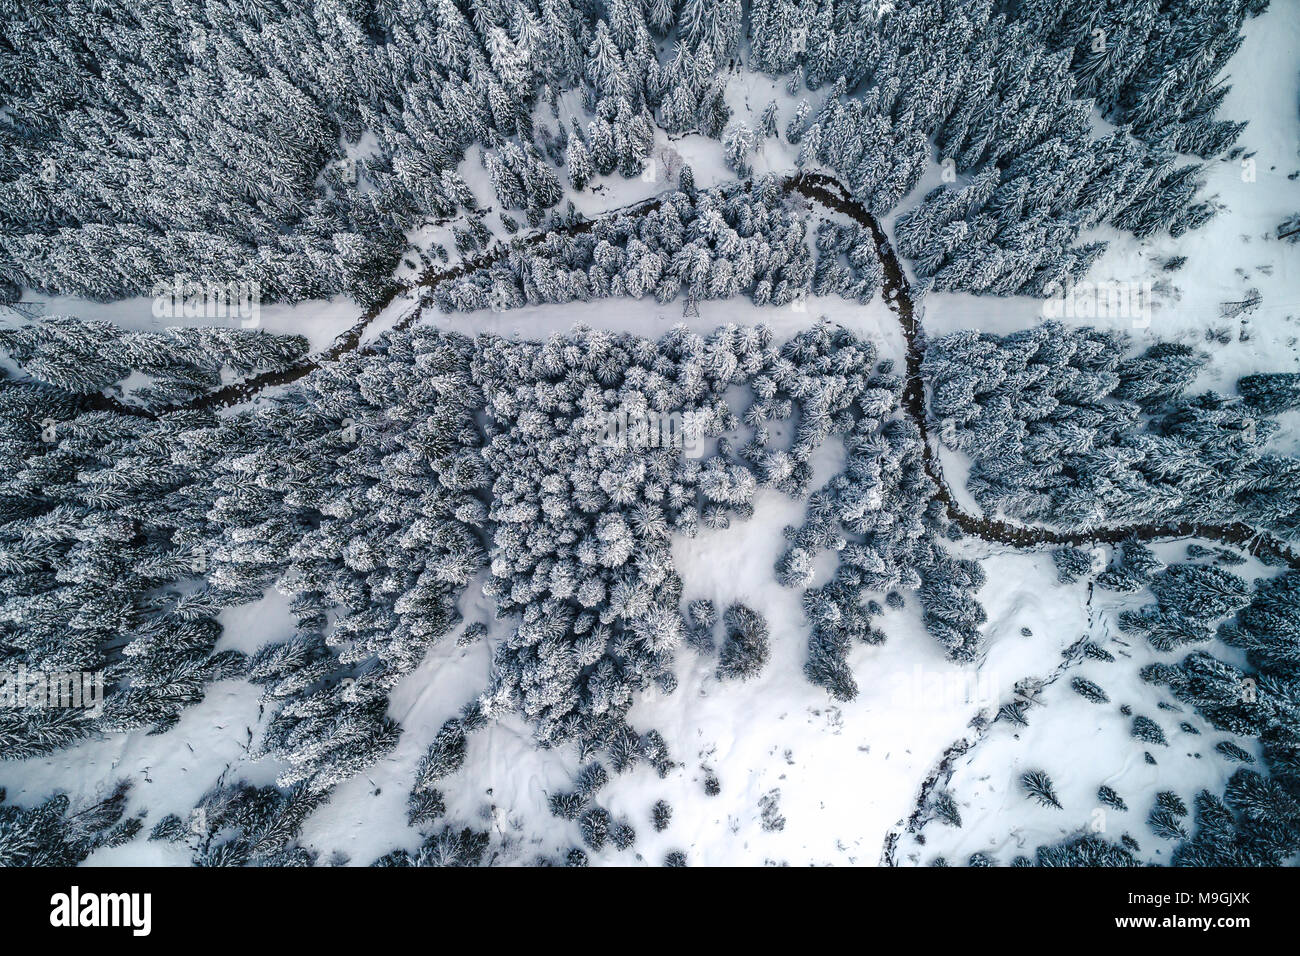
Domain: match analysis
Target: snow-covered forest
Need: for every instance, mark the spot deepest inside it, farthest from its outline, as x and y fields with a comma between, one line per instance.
x=649, y=432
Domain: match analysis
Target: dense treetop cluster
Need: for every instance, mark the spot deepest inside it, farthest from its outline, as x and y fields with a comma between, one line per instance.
x=708, y=245
x=294, y=144
x=180, y=363
x=297, y=146
x=380, y=488
x=1065, y=428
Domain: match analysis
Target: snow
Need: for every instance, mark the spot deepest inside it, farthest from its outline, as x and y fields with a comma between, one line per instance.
x=1236, y=251
x=170, y=772
x=319, y=320
x=846, y=775
x=1082, y=746
x=507, y=778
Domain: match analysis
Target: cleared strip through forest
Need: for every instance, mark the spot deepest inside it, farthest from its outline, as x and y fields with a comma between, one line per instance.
x=829, y=192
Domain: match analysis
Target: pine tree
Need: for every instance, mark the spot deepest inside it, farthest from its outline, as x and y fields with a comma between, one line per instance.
x=1039, y=786
x=746, y=648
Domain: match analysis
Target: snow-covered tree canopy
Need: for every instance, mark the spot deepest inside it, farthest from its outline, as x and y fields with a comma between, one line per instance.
x=491, y=592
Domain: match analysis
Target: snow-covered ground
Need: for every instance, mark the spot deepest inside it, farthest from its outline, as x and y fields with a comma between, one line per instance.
x=319, y=320
x=842, y=775
x=1082, y=745
x=1235, y=252
x=507, y=777
x=803, y=779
